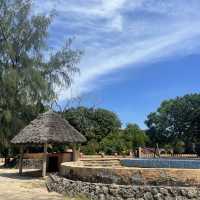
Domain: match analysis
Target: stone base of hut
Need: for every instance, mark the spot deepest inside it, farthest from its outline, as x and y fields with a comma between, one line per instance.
x=54, y=160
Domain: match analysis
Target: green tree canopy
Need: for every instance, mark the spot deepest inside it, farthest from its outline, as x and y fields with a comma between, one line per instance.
x=95, y=124
x=29, y=70
x=124, y=141
x=176, y=120
x=114, y=143
x=134, y=136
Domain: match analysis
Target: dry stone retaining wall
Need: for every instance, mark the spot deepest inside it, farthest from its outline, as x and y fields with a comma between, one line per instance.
x=97, y=191
x=30, y=164
x=130, y=175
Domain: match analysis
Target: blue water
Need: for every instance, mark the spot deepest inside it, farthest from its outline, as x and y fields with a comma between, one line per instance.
x=161, y=163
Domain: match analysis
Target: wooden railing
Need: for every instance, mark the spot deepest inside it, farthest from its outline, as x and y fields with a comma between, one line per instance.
x=152, y=155
x=100, y=157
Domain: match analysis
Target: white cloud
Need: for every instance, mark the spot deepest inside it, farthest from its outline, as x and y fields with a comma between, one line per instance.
x=120, y=33
x=98, y=8
x=117, y=23
x=141, y=52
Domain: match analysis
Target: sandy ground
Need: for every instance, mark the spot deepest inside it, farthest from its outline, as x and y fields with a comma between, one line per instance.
x=26, y=187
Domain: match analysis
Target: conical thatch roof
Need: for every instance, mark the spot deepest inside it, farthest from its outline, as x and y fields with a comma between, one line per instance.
x=48, y=128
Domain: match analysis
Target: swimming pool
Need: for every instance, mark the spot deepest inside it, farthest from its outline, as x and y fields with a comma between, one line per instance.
x=161, y=163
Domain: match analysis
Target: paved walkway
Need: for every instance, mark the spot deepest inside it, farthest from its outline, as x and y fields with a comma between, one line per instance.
x=14, y=187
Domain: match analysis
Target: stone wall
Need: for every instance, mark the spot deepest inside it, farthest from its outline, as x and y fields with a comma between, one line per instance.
x=34, y=160
x=130, y=175
x=30, y=164
x=97, y=191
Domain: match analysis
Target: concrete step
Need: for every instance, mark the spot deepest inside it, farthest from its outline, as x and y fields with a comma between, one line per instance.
x=103, y=163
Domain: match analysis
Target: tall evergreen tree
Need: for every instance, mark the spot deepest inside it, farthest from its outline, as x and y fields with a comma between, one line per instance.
x=29, y=71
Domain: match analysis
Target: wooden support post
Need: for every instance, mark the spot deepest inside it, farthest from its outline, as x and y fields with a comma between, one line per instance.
x=78, y=154
x=44, y=168
x=75, y=154
x=139, y=152
x=21, y=159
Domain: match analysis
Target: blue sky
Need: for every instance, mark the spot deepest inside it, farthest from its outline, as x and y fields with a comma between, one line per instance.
x=137, y=53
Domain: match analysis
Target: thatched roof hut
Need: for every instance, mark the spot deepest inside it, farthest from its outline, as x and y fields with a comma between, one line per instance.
x=47, y=128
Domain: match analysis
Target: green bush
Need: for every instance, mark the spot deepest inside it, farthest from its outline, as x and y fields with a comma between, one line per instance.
x=179, y=147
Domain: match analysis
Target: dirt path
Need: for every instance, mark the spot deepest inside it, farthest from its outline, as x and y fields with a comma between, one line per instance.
x=13, y=187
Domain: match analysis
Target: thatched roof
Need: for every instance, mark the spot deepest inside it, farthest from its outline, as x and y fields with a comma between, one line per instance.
x=48, y=128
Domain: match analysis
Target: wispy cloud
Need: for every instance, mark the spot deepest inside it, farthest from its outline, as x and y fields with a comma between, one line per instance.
x=122, y=33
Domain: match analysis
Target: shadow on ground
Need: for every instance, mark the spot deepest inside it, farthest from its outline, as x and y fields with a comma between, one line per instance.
x=27, y=175
x=29, y=186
